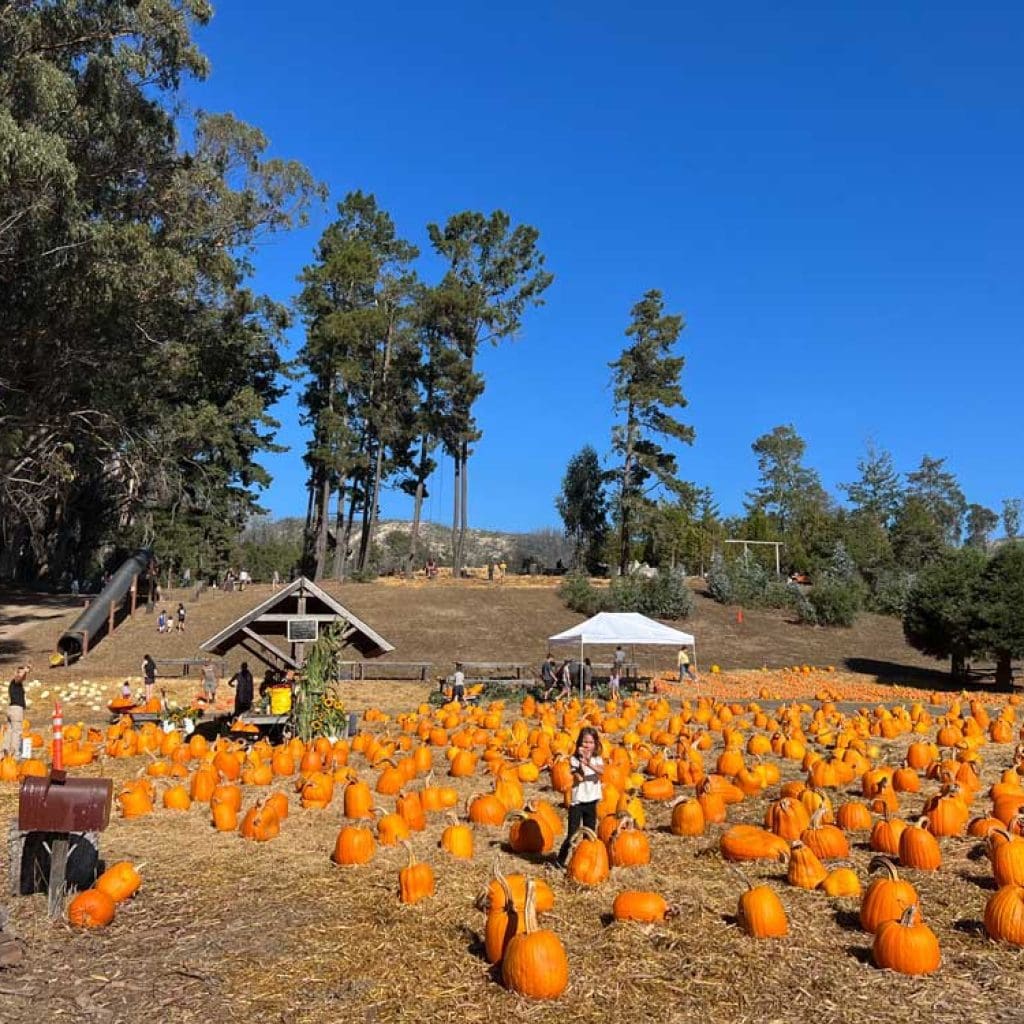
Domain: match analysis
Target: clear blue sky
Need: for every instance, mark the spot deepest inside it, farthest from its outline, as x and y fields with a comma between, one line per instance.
x=833, y=198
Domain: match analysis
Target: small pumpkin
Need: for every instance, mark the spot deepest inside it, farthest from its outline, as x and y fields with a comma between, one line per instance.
x=885, y=898
x=1004, y=915
x=355, y=845
x=635, y=905
x=457, y=839
x=841, y=882
x=535, y=964
x=91, y=908
x=908, y=945
x=415, y=880
x=120, y=881
x=759, y=911
x=588, y=862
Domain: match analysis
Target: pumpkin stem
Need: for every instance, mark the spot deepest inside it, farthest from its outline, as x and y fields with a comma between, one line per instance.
x=412, y=857
x=908, y=915
x=746, y=882
x=530, y=907
x=885, y=864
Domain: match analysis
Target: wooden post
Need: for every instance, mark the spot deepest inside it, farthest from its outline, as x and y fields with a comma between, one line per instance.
x=58, y=869
x=85, y=643
x=134, y=593
x=15, y=849
x=110, y=618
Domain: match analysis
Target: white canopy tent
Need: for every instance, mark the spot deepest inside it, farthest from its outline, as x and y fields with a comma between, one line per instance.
x=621, y=628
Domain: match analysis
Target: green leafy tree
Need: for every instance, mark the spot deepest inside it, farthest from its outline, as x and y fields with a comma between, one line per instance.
x=583, y=507
x=137, y=366
x=878, y=492
x=646, y=388
x=917, y=537
x=494, y=273
x=998, y=623
x=1011, y=516
x=356, y=301
x=981, y=522
x=940, y=493
x=785, y=482
x=940, y=617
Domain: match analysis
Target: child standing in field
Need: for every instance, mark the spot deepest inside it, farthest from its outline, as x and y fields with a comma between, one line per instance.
x=587, y=768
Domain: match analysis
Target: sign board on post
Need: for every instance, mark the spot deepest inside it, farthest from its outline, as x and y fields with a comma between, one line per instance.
x=303, y=630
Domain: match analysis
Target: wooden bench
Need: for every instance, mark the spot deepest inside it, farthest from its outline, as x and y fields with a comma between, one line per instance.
x=220, y=664
x=358, y=670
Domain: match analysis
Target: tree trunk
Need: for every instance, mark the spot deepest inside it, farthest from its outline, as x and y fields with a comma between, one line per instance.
x=456, y=509
x=347, y=536
x=323, y=521
x=1004, y=670
x=464, y=500
x=414, y=531
x=624, y=517
x=370, y=520
x=957, y=666
x=339, y=519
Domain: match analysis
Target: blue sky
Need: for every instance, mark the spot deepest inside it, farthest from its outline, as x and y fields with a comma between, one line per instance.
x=832, y=197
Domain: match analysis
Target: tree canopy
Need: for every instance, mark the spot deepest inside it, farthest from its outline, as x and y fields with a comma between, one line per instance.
x=138, y=367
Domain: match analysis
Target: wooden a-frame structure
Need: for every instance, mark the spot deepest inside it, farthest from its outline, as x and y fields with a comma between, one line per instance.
x=277, y=631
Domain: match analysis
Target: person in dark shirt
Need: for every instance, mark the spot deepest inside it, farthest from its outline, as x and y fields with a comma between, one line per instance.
x=242, y=681
x=149, y=675
x=15, y=711
x=547, y=676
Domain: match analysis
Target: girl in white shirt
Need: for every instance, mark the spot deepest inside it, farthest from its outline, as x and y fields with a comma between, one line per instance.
x=587, y=769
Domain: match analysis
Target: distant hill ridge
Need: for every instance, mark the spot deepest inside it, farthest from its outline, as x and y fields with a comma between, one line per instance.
x=547, y=545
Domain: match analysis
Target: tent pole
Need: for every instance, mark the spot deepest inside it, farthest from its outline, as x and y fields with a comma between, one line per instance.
x=581, y=666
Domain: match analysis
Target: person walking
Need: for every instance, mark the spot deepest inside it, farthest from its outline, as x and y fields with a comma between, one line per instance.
x=564, y=677
x=209, y=682
x=547, y=676
x=149, y=675
x=180, y=615
x=613, y=682
x=16, y=711
x=683, y=663
x=587, y=768
x=587, y=673
x=243, y=683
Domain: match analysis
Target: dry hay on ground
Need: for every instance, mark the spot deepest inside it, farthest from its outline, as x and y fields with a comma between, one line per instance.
x=239, y=931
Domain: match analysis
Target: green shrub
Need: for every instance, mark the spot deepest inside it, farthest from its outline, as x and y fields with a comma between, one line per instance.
x=367, y=575
x=720, y=579
x=577, y=594
x=835, y=602
x=664, y=596
x=890, y=590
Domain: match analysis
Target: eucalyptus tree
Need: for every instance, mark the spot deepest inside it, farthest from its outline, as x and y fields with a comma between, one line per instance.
x=646, y=388
x=136, y=367
x=494, y=273
x=355, y=300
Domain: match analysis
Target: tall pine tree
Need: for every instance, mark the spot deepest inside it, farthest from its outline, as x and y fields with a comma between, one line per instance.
x=646, y=389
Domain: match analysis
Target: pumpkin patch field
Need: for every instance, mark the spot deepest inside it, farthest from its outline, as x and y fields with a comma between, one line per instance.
x=762, y=856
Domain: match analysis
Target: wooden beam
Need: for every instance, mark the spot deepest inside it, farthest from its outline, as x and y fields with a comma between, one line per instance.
x=288, y=617
x=264, y=642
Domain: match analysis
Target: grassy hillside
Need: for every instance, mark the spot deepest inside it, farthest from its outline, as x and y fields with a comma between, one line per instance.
x=441, y=621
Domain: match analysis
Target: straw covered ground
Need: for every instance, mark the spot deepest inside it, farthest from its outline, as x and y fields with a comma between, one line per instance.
x=229, y=930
